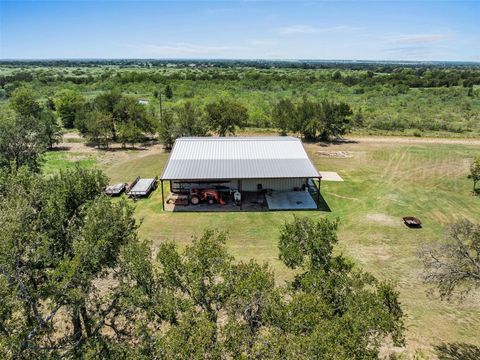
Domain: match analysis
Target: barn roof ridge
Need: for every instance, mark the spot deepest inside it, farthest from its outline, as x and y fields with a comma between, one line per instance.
x=239, y=138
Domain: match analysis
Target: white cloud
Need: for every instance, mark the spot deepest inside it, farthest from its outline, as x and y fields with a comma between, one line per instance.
x=297, y=29
x=183, y=49
x=263, y=42
x=216, y=11
x=419, y=46
x=308, y=29
x=420, y=38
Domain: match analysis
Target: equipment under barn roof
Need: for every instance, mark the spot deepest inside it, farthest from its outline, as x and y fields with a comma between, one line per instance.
x=252, y=166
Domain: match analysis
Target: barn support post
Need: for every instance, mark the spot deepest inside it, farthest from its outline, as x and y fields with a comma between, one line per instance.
x=163, y=200
x=241, y=192
x=318, y=193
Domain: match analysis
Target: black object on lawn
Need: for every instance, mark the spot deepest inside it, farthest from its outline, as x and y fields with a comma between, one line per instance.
x=412, y=222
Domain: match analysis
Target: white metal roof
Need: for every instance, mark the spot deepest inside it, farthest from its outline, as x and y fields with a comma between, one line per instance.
x=238, y=158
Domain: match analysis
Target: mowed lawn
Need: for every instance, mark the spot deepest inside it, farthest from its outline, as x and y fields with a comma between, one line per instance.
x=383, y=182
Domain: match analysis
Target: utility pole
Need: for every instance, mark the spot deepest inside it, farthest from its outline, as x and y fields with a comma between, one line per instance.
x=161, y=110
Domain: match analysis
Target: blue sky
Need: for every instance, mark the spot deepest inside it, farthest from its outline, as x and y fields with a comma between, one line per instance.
x=376, y=30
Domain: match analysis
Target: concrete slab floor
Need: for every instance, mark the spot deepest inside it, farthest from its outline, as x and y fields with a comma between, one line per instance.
x=290, y=200
x=330, y=176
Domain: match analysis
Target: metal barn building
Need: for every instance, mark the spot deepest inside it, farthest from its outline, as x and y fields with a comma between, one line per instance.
x=277, y=167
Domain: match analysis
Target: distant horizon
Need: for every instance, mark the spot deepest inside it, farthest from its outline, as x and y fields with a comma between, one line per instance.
x=243, y=59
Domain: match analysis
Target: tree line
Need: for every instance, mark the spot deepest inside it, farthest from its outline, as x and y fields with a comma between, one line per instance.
x=389, y=98
x=114, y=117
x=420, y=77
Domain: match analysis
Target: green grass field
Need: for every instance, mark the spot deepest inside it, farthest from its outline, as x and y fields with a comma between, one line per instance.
x=383, y=182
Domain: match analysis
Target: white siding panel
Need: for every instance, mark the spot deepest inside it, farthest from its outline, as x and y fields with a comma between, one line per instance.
x=274, y=184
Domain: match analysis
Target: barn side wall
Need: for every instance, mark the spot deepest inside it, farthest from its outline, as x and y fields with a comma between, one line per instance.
x=274, y=184
x=246, y=184
x=187, y=185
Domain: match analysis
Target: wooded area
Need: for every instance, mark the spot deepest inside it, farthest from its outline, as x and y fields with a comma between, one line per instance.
x=318, y=100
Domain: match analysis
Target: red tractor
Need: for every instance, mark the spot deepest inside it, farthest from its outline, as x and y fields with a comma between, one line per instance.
x=211, y=196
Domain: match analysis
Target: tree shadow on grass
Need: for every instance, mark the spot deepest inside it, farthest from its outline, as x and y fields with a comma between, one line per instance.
x=59, y=148
x=117, y=148
x=457, y=351
x=337, y=142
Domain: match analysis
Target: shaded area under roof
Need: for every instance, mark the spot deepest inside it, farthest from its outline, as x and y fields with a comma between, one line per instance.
x=238, y=158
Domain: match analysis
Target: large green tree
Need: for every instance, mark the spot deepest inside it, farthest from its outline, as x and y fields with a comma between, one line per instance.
x=204, y=304
x=226, y=116
x=60, y=241
x=190, y=120
x=334, y=309
x=334, y=120
x=128, y=110
x=25, y=103
x=107, y=102
x=168, y=130
x=69, y=105
x=475, y=173
x=307, y=121
x=98, y=128
x=185, y=119
x=324, y=120
x=50, y=129
x=283, y=115
x=129, y=133
x=112, y=116
x=452, y=266
x=168, y=92
x=22, y=140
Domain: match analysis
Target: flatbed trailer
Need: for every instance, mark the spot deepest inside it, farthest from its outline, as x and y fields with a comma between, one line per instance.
x=116, y=189
x=142, y=187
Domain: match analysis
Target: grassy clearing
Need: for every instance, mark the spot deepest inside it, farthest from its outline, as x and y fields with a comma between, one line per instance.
x=55, y=160
x=383, y=182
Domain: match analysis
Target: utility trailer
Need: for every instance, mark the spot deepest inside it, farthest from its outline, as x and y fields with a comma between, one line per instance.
x=115, y=190
x=142, y=187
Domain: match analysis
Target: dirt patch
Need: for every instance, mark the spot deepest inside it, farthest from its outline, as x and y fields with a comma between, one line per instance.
x=76, y=147
x=383, y=219
x=72, y=135
x=378, y=253
x=335, y=154
x=115, y=153
x=342, y=197
x=407, y=140
x=78, y=157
